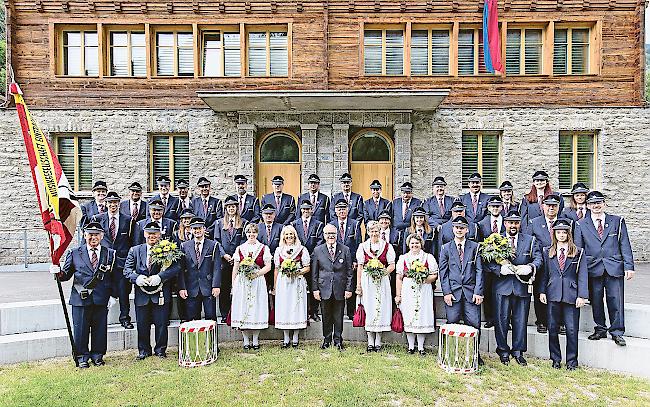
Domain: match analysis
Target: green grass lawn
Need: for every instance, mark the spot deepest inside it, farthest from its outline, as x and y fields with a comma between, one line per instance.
x=309, y=376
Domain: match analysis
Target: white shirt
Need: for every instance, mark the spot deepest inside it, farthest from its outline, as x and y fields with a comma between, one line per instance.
x=499, y=220
x=515, y=241
x=90, y=251
x=343, y=223
x=133, y=203
x=594, y=219
x=462, y=244
x=199, y=243
x=186, y=201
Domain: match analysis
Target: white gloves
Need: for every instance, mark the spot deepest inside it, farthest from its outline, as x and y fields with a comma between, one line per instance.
x=154, y=280
x=111, y=302
x=54, y=269
x=141, y=280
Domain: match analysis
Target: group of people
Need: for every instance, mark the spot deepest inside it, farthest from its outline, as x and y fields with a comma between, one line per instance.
x=281, y=259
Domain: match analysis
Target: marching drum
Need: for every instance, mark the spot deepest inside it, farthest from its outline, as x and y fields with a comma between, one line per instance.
x=197, y=343
x=458, y=348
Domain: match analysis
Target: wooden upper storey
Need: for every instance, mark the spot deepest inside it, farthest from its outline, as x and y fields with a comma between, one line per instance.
x=325, y=49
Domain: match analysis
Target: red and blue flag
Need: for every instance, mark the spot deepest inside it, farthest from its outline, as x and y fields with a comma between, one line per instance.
x=491, y=40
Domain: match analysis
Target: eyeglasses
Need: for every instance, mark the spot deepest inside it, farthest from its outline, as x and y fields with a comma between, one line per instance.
x=330, y=233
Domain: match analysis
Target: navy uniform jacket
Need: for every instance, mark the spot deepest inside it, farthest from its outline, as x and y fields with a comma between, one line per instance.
x=125, y=209
x=331, y=277
x=286, y=213
x=481, y=207
x=372, y=211
x=168, y=228
x=88, y=210
x=229, y=242
x=136, y=264
x=251, y=210
x=77, y=263
x=528, y=252
x=200, y=276
x=314, y=235
x=321, y=209
x=539, y=228
x=430, y=241
x=531, y=210
x=612, y=254
x=568, y=284
x=123, y=239
x=170, y=209
x=457, y=279
x=572, y=213
x=215, y=211
x=352, y=234
x=485, y=228
x=274, y=241
x=505, y=210
x=435, y=218
x=446, y=234
x=399, y=222
x=355, y=205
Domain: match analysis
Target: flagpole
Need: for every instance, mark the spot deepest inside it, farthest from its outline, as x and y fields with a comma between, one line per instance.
x=67, y=320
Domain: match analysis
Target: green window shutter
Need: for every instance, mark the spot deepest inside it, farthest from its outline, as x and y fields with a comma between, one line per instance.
x=419, y=52
x=181, y=157
x=469, y=156
x=490, y=160
x=440, y=52
x=565, y=161
x=513, y=52
x=85, y=145
x=65, y=153
x=533, y=51
x=560, y=49
x=466, y=52
x=585, y=170
x=579, y=51
x=160, y=156
x=372, y=52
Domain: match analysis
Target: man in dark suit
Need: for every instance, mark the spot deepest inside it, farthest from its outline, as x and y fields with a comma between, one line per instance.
x=207, y=207
x=134, y=207
x=493, y=223
x=284, y=204
x=438, y=206
x=319, y=201
x=446, y=233
x=475, y=201
x=461, y=278
x=166, y=225
x=97, y=205
x=170, y=202
x=511, y=295
x=199, y=280
x=376, y=204
x=90, y=264
x=349, y=235
x=354, y=200
x=153, y=295
x=269, y=234
x=249, y=205
x=609, y=260
x=310, y=234
x=118, y=231
x=331, y=268
x=184, y=197
x=403, y=207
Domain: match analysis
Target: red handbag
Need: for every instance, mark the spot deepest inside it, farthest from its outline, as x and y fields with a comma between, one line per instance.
x=397, y=323
x=228, y=318
x=359, y=319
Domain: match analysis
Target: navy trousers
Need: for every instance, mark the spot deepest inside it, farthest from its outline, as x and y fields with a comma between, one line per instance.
x=155, y=314
x=123, y=289
x=226, y=288
x=610, y=289
x=488, y=300
x=332, y=319
x=466, y=310
x=541, y=313
x=511, y=308
x=194, y=305
x=562, y=313
x=90, y=322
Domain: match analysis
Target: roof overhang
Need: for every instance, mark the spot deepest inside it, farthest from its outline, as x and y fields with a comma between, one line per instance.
x=323, y=100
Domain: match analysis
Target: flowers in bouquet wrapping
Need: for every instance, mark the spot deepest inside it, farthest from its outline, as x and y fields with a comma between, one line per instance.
x=418, y=272
x=248, y=267
x=496, y=248
x=289, y=268
x=375, y=270
x=165, y=253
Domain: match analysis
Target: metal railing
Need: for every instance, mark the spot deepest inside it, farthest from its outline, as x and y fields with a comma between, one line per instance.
x=22, y=234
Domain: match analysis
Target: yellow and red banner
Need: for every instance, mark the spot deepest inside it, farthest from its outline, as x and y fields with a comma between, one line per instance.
x=58, y=206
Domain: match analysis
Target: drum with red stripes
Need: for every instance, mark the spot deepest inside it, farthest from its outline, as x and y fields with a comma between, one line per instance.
x=197, y=343
x=458, y=348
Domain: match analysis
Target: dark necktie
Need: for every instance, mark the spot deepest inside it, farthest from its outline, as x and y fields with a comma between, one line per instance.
x=441, y=206
x=112, y=228
x=405, y=207
x=494, y=226
x=460, y=251
x=561, y=259
x=135, y=211
x=512, y=243
x=342, y=230
x=277, y=204
x=383, y=235
x=164, y=202
x=205, y=207
x=94, y=261
x=474, y=202
x=580, y=213
x=331, y=250
x=600, y=228
x=241, y=204
x=231, y=230
x=305, y=225
x=312, y=198
x=101, y=208
x=268, y=234
x=507, y=208
x=549, y=223
x=183, y=204
x=197, y=249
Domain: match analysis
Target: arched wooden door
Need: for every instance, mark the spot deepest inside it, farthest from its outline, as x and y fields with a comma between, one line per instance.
x=371, y=157
x=278, y=153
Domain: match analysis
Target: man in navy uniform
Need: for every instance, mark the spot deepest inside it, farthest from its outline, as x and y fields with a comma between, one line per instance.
x=542, y=227
x=118, y=235
x=170, y=202
x=97, y=205
x=310, y=234
x=475, y=201
x=493, y=223
x=511, y=291
x=249, y=205
x=438, y=206
x=354, y=200
x=134, y=207
x=284, y=204
x=206, y=207
x=184, y=196
x=199, y=280
x=269, y=234
x=609, y=260
x=153, y=295
x=319, y=201
x=376, y=204
x=349, y=235
x=167, y=226
x=446, y=233
x=90, y=264
x=403, y=207
x=461, y=278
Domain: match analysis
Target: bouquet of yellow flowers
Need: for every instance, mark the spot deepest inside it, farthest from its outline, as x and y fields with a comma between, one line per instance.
x=248, y=267
x=289, y=268
x=164, y=253
x=375, y=270
x=418, y=272
x=496, y=248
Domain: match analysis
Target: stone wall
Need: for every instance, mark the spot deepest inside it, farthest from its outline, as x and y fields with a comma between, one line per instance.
x=426, y=145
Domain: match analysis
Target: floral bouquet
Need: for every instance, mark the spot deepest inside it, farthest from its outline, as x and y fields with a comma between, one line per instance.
x=418, y=272
x=164, y=253
x=375, y=270
x=496, y=248
x=289, y=268
x=248, y=267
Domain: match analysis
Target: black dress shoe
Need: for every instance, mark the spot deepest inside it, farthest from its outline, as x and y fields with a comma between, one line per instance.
x=284, y=345
x=556, y=365
x=168, y=322
x=505, y=360
x=142, y=356
x=619, y=340
x=370, y=348
x=378, y=348
x=542, y=329
x=340, y=347
x=571, y=367
x=256, y=347
x=480, y=361
x=126, y=324
x=422, y=352
x=488, y=324
x=98, y=362
x=83, y=365
x=223, y=320
x=295, y=344
x=161, y=355
x=596, y=336
x=247, y=347
x=562, y=330
x=521, y=360
x=325, y=345
x=412, y=351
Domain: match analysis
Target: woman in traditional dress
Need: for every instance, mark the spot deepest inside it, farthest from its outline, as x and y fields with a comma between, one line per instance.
x=250, y=301
x=420, y=226
x=290, y=290
x=531, y=204
x=416, y=300
x=375, y=295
